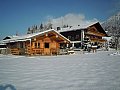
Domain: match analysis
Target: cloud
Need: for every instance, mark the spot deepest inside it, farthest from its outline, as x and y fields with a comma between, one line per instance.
x=70, y=19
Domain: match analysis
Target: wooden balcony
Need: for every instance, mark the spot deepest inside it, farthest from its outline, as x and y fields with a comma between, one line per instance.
x=97, y=40
x=95, y=33
x=15, y=51
x=37, y=51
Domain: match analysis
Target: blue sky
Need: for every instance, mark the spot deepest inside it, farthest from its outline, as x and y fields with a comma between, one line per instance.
x=18, y=15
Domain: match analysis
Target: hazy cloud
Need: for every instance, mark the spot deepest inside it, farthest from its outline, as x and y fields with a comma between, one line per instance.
x=70, y=19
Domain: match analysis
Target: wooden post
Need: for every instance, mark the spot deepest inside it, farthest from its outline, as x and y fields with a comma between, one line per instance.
x=73, y=45
x=30, y=46
x=82, y=38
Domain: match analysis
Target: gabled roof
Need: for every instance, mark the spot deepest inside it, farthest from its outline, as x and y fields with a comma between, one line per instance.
x=79, y=27
x=29, y=36
x=9, y=37
x=74, y=28
x=99, y=28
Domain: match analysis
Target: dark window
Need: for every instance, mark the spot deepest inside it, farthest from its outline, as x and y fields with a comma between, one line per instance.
x=21, y=45
x=2, y=46
x=73, y=38
x=38, y=45
x=46, y=45
x=77, y=37
x=35, y=45
x=62, y=46
x=13, y=45
x=69, y=37
x=77, y=45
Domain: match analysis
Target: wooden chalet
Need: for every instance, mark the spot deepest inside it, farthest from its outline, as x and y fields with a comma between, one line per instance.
x=42, y=43
x=95, y=33
x=82, y=35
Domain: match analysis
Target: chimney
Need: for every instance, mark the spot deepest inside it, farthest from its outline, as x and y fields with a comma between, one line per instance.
x=58, y=28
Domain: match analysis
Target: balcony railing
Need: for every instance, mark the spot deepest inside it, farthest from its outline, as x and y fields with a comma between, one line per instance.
x=37, y=51
x=15, y=51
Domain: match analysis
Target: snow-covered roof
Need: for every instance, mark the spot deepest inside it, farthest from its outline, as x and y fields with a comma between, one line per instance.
x=70, y=28
x=79, y=27
x=2, y=43
x=29, y=36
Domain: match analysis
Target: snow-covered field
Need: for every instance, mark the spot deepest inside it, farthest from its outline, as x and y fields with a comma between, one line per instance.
x=93, y=71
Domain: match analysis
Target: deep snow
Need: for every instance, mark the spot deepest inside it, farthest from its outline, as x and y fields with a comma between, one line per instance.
x=89, y=71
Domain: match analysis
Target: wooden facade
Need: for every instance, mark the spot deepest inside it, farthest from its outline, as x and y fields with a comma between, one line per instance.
x=95, y=33
x=91, y=34
x=44, y=43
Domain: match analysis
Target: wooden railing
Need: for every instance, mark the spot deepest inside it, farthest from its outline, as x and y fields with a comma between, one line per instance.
x=33, y=51
x=37, y=51
x=54, y=51
x=95, y=33
x=97, y=40
x=28, y=50
x=15, y=51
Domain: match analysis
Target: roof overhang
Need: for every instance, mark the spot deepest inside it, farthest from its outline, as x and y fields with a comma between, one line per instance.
x=30, y=36
x=99, y=28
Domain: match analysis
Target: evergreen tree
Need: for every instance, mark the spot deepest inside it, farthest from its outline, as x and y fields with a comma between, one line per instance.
x=41, y=26
x=36, y=27
x=29, y=29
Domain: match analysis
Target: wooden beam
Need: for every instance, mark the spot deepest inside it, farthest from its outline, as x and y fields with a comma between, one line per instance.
x=96, y=33
x=97, y=40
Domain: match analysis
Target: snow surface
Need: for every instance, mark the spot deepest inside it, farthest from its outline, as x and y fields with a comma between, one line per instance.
x=89, y=71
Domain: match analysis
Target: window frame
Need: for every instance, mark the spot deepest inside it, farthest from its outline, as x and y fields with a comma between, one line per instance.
x=46, y=45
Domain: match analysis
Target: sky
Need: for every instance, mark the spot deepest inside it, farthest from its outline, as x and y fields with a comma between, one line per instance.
x=17, y=15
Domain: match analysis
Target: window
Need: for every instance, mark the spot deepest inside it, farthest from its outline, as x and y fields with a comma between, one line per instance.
x=46, y=45
x=38, y=45
x=77, y=37
x=21, y=45
x=69, y=37
x=35, y=45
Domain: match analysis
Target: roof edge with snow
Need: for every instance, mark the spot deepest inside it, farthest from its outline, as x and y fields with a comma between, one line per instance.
x=29, y=36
